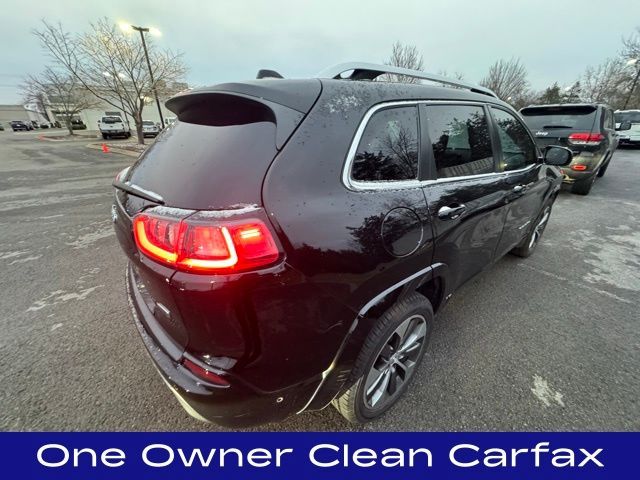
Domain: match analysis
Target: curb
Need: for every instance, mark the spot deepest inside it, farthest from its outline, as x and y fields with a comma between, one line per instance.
x=98, y=146
x=64, y=138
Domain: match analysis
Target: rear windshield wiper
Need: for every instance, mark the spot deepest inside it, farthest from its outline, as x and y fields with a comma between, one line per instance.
x=134, y=189
x=556, y=126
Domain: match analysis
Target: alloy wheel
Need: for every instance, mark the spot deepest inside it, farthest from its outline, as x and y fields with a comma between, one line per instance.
x=395, y=362
x=539, y=228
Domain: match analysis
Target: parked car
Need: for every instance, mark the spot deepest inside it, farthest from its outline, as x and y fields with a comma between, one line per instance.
x=1, y=128
x=77, y=124
x=19, y=125
x=291, y=240
x=587, y=129
x=150, y=129
x=628, y=126
x=113, y=126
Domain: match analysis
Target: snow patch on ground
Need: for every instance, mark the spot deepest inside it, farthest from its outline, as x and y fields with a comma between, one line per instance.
x=26, y=259
x=61, y=296
x=615, y=259
x=543, y=392
x=88, y=239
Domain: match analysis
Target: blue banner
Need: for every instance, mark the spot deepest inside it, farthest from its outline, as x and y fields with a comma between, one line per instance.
x=322, y=456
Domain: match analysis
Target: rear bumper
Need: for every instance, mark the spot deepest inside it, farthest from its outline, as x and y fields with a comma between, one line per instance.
x=629, y=140
x=237, y=405
x=593, y=163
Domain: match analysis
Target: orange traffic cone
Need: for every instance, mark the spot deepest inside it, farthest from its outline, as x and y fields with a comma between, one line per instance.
x=105, y=149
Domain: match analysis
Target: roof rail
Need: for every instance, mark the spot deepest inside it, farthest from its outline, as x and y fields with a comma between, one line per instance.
x=370, y=71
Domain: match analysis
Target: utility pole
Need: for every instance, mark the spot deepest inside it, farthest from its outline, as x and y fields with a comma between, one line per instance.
x=142, y=31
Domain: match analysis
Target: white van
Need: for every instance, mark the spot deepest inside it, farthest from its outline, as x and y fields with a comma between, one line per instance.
x=111, y=126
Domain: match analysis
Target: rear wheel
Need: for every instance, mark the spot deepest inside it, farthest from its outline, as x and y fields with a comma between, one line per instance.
x=603, y=169
x=104, y=136
x=530, y=242
x=583, y=187
x=389, y=358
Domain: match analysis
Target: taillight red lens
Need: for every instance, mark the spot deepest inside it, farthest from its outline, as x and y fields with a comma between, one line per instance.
x=578, y=167
x=586, y=138
x=204, y=373
x=203, y=247
x=254, y=244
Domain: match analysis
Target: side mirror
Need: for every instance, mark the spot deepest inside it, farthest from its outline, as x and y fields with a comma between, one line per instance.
x=557, y=156
x=624, y=126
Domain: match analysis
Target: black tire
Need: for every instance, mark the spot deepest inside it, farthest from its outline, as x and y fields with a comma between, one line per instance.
x=104, y=136
x=353, y=404
x=583, y=187
x=127, y=135
x=603, y=169
x=530, y=242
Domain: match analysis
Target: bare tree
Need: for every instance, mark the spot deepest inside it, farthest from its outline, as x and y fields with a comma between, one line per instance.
x=507, y=78
x=605, y=83
x=631, y=54
x=111, y=65
x=404, y=56
x=58, y=92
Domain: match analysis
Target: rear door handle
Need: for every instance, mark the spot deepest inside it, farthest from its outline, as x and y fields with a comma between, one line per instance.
x=451, y=213
x=519, y=188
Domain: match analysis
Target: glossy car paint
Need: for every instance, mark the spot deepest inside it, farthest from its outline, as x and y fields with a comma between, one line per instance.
x=286, y=337
x=593, y=156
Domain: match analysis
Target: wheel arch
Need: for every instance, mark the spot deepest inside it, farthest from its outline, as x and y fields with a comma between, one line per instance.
x=431, y=282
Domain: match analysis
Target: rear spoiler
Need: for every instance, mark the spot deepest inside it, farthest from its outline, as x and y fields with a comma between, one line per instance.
x=213, y=107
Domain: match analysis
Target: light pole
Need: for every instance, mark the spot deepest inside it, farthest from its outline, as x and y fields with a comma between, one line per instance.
x=633, y=61
x=142, y=31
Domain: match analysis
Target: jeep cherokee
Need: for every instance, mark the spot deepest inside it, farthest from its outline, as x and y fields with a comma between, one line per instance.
x=290, y=241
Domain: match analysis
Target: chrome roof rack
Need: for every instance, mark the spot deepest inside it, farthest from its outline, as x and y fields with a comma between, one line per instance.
x=370, y=71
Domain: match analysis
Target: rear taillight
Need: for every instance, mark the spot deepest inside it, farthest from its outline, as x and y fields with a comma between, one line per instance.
x=585, y=138
x=203, y=373
x=579, y=167
x=198, y=245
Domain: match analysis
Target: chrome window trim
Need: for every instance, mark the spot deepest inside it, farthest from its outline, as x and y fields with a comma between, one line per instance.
x=358, y=185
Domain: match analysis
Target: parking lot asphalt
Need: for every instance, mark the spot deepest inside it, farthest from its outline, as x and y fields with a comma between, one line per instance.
x=551, y=342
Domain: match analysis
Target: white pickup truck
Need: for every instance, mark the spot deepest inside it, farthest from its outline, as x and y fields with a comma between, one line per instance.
x=111, y=126
x=628, y=126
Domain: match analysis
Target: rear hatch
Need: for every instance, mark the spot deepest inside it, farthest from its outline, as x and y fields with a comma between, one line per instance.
x=108, y=124
x=555, y=124
x=213, y=158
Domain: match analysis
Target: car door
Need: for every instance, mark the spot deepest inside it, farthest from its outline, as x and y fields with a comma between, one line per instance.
x=464, y=193
x=524, y=188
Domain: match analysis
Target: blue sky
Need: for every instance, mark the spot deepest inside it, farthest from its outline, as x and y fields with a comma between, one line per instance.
x=230, y=40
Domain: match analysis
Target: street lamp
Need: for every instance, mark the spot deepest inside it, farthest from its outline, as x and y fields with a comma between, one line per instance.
x=632, y=61
x=154, y=31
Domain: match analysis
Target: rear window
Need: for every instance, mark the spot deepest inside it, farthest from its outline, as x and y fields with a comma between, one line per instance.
x=207, y=167
x=570, y=117
x=111, y=120
x=633, y=117
x=146, y=122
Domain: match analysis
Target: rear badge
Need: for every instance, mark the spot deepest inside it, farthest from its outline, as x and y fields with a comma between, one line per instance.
x=541, y=134
x=114, y=214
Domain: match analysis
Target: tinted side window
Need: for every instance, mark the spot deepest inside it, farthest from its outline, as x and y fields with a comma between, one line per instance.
x=388, y=149
x=518, y=150
x=460, y=139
